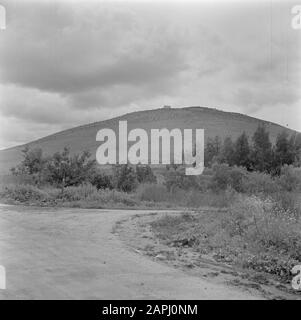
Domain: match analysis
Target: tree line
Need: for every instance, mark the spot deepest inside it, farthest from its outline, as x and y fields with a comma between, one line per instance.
x=258, y=154
x=62, y=169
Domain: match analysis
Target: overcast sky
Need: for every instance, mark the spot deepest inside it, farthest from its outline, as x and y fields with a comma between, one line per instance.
x=68, y=63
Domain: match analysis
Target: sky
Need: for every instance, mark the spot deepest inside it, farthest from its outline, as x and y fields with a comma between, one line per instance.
x=68, y=63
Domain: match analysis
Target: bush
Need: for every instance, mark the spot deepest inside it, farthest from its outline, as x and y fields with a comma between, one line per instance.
x=145, y=174
x=114, y=197
x=289, y=180
x=259, y=183
x=78, y=193
x=125, y=178
x=23, y=193
x=197, y=199
x=17, y=179
x=290, y=202
x=88, y=195
x=153, y=192
x=32, y=164
x=258, y=221
x=252, y=233
x=102, y=181
x=176, y=179
x=60, y=170
x=63, y=170
x=264, y=228
x=225, y=176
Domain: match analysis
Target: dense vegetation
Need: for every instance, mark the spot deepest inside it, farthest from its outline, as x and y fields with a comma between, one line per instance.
x=241, y=166
x=258, y=183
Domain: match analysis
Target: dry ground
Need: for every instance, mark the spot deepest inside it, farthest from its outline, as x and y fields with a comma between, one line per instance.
x=76, y=254
x=137, y=233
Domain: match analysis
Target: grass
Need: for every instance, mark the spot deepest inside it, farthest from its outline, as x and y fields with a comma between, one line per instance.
x=87, y=196
x=258, y=228
x=252, y=233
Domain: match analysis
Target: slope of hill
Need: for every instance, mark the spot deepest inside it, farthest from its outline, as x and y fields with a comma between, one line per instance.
x=215, y=122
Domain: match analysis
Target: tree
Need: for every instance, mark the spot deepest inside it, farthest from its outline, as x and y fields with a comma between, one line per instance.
x=125, y=178
x=288, y=179
x=102, y=181
x=242, y=151
x=225, y=176
x=283, y=152
x=295, y=148
x=212, y=150
x=64, y=170
x=33, y=164
x=177, y=179
x=227, y=153
x=262, y=150
x=145, y=174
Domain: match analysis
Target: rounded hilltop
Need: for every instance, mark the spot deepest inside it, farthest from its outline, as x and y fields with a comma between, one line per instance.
x=215, y=123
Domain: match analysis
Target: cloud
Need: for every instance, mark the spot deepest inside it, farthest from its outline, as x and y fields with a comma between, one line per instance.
x=67, y=63
x=93, y=48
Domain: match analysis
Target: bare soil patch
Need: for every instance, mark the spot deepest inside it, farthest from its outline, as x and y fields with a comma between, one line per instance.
x=138, y=234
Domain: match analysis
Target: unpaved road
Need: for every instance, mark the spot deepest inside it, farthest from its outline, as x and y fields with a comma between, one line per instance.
x=73, y=254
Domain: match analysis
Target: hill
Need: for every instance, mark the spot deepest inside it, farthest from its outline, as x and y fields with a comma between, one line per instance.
x=215, y=123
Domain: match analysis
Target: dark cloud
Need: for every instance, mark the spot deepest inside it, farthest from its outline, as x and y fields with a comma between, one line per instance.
x=69, y=62
x=95, y=50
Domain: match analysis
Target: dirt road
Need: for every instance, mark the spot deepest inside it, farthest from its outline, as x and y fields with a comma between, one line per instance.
x=72, y=254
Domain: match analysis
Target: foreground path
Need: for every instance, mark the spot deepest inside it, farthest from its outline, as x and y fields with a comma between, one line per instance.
x=73, y=254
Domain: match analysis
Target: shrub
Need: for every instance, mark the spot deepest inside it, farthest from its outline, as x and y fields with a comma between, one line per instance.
x=259, y=183
x=176, y=178
x=114, y=197
x=290, y=202
x=258, y=222
x=64, y=170
x=33, y=165
x=125, y=178
x=225, y=176
x=102, y=181
x=60, y=170
x=145, y=174
x=17, y=179
x=77, y=193
x=33, y=162
x=23, y=193
x=289, y=180
x=197, y=199
x=152, y=192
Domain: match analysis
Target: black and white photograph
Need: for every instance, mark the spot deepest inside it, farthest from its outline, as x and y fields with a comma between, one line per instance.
x=150, y=150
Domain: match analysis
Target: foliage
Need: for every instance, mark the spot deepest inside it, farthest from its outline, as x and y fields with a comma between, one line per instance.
x=102, y=181
x=23, y=193
x=227, y=152
x=125, y=178
x=153, y=192
x=33, y=164
x=64, y=170
x=242, y=151
x=212, y=150
x=289, y=180
x=261, y=156
x=251, y=233
x=257, y=183
x=145, y=174
x=176, y=178
x=225, y=176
